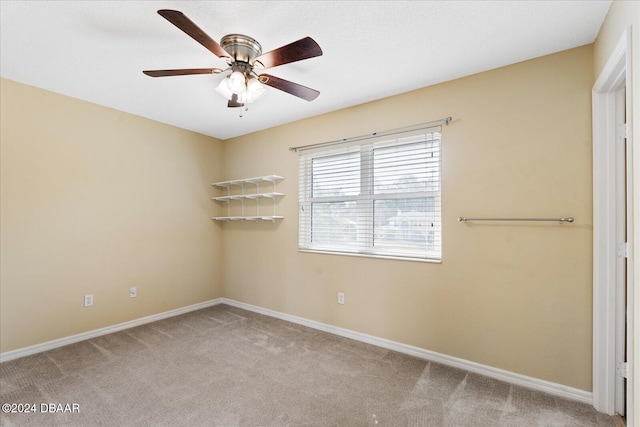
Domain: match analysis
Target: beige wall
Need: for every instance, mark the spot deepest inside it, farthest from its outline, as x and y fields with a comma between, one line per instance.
x=622, y=15
x=96, y=201
x=512, y=296
x=625, y=15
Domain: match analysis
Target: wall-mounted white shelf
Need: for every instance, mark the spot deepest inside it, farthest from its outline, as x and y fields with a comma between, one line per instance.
x=248, y=218
x=257, y=180
x=271, y=195
x=233, y=195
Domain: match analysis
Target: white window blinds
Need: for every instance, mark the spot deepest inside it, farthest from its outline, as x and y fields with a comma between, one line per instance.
x=376, y=197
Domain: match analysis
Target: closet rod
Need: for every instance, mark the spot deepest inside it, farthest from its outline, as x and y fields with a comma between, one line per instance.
x=560, y=220
x=385, y=133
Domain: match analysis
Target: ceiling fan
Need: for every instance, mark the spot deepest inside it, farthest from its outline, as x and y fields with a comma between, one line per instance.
x=244, y=57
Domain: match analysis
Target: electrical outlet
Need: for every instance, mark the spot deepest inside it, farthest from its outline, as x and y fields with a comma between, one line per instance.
x=133, y=292
x=340, y=297
x=88, y=300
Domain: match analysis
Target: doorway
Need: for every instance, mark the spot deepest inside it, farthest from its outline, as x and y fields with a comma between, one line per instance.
x=621, y=268
x=612, y=237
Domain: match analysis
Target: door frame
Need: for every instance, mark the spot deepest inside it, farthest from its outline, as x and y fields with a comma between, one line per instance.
x=615, y=76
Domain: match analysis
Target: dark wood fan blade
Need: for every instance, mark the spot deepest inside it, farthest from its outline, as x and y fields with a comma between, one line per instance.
x=192, y=30
x=233, y=102
x=295, y=89
x=302, y=49
x=183, y=72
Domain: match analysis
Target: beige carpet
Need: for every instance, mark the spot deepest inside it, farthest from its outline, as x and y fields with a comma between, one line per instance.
x=223, y=366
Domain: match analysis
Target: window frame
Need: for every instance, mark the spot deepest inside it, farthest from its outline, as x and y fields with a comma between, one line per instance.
x=367, y=198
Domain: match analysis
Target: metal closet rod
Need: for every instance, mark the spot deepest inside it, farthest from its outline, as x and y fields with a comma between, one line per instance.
x=560, y=220
x=446, y=121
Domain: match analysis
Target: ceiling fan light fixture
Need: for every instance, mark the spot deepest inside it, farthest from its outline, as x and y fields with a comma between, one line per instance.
x=237, y=82
x=224, y=90
x=255, y=90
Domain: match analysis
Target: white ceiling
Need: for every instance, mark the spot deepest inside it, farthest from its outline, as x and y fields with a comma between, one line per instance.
x=96, y=50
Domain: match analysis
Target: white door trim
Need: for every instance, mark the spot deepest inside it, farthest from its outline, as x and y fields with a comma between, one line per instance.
x=614, y=77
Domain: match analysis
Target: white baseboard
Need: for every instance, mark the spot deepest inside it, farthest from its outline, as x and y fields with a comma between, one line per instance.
x=488, y=371
x=49, y=345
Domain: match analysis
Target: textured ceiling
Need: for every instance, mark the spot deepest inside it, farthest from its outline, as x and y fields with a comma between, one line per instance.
x=96, y=50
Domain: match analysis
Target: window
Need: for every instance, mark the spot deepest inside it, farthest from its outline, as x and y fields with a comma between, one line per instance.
x=377, y=197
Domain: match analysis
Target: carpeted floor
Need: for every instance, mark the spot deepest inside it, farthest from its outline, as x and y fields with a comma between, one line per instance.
x=223, y=366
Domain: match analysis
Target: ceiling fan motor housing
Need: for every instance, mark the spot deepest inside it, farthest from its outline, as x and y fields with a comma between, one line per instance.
x=241, y=48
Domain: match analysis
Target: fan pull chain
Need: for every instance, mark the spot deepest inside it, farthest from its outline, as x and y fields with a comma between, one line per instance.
x=246, y=94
